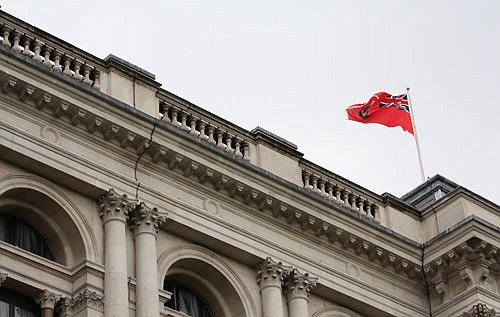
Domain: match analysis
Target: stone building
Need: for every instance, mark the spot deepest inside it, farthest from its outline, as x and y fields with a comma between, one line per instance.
x=119, y=198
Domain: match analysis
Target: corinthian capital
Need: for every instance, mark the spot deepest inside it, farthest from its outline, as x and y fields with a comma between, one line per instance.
x=47, y=299
x=270, y=272
x=298, y=284
x=115, y=207
x=480, y=310
x=145, y=219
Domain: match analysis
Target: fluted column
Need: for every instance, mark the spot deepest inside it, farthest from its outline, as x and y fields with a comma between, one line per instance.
x=297, y=289
x=47, y=301
x=270, y=277
x=145, y=222
x=114, y=213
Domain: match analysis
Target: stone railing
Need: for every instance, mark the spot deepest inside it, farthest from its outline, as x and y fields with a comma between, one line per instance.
x=20, y=39
x=230, y=139
x=340, y=194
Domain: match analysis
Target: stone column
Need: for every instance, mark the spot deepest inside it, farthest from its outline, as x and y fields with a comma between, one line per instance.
x=145, y=222
x=270, y=278
x=297, y=288
x=114, y=213
x=47, y=301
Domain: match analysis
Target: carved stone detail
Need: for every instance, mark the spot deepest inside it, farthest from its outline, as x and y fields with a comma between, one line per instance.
x=3, y=277
x=85, y=299
x=47, y=299
x=145, y=219
x=116, y=207
x=270, y=272
x=480, y=310
x=298, y=284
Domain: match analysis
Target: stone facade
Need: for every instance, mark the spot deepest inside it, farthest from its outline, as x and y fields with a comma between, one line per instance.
x=133, y=188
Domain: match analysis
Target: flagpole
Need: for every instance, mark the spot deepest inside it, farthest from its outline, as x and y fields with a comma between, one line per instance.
x=414, y=125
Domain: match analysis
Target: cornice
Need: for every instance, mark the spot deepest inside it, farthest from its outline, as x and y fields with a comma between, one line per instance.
x=140, y=141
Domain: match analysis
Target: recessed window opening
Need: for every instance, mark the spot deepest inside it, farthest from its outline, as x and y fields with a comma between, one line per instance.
x=185, y=300
x=13, y=304
x=20, y=234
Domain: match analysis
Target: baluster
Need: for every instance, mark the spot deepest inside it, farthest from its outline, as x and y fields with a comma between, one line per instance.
x=192, y=123
x=361, y=205
x=211, y=139
x=369, y=210
x=67, y=61
x=329, y=189
x=37, y=47
x=165, y=108
x=184, y=116
x=306, y=178
x=353, y=202
x=174, y=117
x=57, y=61
x=97, y=80
x=86, y=74
x=229, y=139
x=6, y=33
x=246, y=151
x=237, y=148
x=322, y=188
x=314, y=181
x=220, y=135
x=337, y=195
x=26, y=50
x=46, y=55
x=76, y=66
x=345, y=198
x=201, y=126
x=16, y=47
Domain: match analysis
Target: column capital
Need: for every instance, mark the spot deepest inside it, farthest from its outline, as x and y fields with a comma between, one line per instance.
x=115, y=207
x=145, y=220
x=3, y=277
x=298, y=284
x=47, y=299
x=85, y=299
x=479, y=310
x=271, y=273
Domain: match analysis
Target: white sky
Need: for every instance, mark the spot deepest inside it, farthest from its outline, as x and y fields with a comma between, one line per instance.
x=292, y=67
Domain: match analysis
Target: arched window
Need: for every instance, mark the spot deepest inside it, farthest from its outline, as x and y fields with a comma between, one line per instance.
x=186, y=301
x=19, y=233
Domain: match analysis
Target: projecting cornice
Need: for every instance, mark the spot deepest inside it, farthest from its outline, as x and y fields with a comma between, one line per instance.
x=269, y=204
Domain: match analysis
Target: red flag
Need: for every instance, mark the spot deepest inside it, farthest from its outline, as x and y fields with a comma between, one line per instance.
x=385, y=109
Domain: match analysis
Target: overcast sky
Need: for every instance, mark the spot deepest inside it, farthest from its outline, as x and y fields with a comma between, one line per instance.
x=292, y=67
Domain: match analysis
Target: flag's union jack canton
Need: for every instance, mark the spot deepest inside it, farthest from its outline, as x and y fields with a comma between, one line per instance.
x=385, y=109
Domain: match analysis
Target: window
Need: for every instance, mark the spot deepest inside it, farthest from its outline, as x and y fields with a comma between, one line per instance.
x=185, y=300
x=19, y=233
x=13, y=304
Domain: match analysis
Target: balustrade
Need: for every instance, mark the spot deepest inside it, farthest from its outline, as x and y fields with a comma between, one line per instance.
x=223, y=139
x=335, y=193
x=46, y=54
